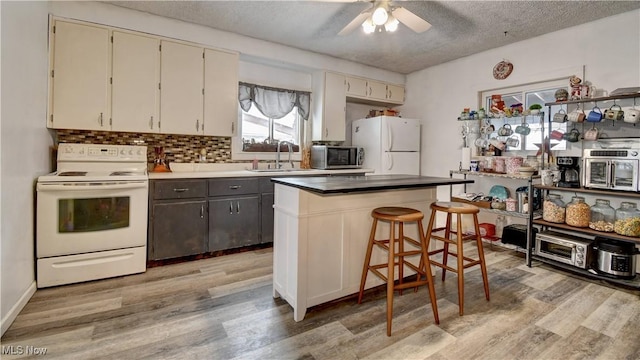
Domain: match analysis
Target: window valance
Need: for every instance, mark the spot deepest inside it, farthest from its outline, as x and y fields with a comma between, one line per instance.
x=274, y=102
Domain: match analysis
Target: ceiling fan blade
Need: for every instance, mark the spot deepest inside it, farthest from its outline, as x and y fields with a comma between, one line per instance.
x=354, y=23
x=411, y=20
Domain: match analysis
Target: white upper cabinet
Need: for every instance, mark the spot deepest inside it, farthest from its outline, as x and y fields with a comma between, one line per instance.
x=376, y=90
x=220, y=92
x=395, y=93
x=80, y=74
x=135, y=87
x=361, y=90
x=356, y=86
x=181, y=92
x=329, y=115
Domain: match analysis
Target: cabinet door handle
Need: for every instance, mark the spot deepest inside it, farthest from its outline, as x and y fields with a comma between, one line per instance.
x=326, y=132
x=390, y=94
x=202, y=212
x=238, y=207
x=197, y=124
x=235, y=187
x=151, y=123
x=100, y=119
x=180, y=190
x=230, y=207
x=348, y=86
x=370, y=90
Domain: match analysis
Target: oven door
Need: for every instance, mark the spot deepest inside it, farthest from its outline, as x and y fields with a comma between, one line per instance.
x=624, y=175
x=597, y=173
x=81, y=217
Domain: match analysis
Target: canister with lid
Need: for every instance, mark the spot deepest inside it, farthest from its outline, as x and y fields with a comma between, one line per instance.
x=602, y=216
x=627, y=219
x=553, y=209
x=578, y=213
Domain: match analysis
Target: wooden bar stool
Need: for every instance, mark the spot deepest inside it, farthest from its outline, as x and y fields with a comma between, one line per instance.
x=399, y=215
x=459, y=209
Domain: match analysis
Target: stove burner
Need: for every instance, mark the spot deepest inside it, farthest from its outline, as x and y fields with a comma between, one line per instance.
x=73, y=173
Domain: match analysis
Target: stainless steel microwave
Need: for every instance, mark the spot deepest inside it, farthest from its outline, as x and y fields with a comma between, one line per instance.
x=329, y=157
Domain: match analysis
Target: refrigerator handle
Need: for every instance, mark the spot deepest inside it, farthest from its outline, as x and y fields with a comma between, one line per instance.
x=389, y=161
x=389, y=136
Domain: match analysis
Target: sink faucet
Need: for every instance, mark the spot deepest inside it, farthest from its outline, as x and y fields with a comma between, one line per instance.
x=278, y=153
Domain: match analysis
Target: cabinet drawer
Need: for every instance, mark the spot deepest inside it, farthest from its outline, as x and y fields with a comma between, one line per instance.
x=233, y=186
x=179, y=189
x=266, y=186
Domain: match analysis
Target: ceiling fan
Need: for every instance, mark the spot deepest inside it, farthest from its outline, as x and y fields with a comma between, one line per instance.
x=385, y=14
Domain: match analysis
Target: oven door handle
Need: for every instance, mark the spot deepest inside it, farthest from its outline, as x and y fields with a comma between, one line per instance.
x=91, y=186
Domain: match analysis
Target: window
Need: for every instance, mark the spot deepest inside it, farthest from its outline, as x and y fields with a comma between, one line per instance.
x=268, y=116
x=256, y=128
x=538, y=93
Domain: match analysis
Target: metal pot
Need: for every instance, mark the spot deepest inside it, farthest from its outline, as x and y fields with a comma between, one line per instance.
x=617, y=258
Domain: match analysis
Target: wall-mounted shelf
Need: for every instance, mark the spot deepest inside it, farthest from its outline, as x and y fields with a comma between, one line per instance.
x=492, y=174
x=604, y=98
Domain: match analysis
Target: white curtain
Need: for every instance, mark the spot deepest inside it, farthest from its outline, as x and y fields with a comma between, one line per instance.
x=273, y=102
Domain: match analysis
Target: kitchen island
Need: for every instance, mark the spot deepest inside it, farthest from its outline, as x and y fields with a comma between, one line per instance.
x=321, y=230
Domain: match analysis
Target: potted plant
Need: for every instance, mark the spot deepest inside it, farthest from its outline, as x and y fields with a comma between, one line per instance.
x=535, y=108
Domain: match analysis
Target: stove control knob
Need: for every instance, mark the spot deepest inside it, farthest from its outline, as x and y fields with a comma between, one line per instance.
x=140, y=152
x=130, y=152
x=634, y=153
x=122, y=152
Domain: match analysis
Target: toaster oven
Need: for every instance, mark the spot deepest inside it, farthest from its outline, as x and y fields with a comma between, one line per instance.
x=564, y=248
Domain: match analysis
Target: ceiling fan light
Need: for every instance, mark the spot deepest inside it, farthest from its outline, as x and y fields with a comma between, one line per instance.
x=380, y=16
x=392, y=24
x=368, y=26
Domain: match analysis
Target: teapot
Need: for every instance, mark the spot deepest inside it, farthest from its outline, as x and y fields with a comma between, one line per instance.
x=572, y=136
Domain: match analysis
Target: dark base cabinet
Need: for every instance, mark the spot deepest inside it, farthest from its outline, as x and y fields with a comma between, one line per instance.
x=179, y=229
x=234, y=222
x=178, y=221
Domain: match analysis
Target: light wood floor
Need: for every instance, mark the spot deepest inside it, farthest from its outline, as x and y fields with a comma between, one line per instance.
x=222, y=308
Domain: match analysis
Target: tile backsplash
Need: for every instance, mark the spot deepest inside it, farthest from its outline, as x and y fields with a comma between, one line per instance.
x=178, y=148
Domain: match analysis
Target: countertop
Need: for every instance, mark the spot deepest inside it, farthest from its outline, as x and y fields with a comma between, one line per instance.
x=369, y=183
x=198, y=171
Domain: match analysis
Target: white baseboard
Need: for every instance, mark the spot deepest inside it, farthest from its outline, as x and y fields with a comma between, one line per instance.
x=17, y=307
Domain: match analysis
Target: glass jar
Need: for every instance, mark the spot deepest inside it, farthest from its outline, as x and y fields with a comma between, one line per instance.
x=578, y=213
x=499, y=165
x=602, y=216
x=627, y=219
x=553, y=209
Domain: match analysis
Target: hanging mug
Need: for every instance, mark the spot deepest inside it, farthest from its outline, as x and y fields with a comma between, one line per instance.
x=556, y=135
x=595, y=115
x=560, y=116
x=482, y=143
x=505, y=130
x=572, y=136
x=523, y=129
x=576, y=116
x=632, y=116
x=513, y=141
x=591, y=134
x=614, y=114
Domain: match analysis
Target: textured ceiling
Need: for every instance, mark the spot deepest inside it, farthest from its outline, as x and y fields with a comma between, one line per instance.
x=460, y=28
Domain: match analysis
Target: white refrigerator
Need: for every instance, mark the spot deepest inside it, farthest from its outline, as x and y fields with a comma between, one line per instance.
x=391, y=144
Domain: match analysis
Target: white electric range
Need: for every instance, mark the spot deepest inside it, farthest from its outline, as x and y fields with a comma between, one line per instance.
x=91, y=217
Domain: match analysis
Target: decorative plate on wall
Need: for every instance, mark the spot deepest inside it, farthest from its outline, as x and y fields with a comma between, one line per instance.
x=502, y=70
